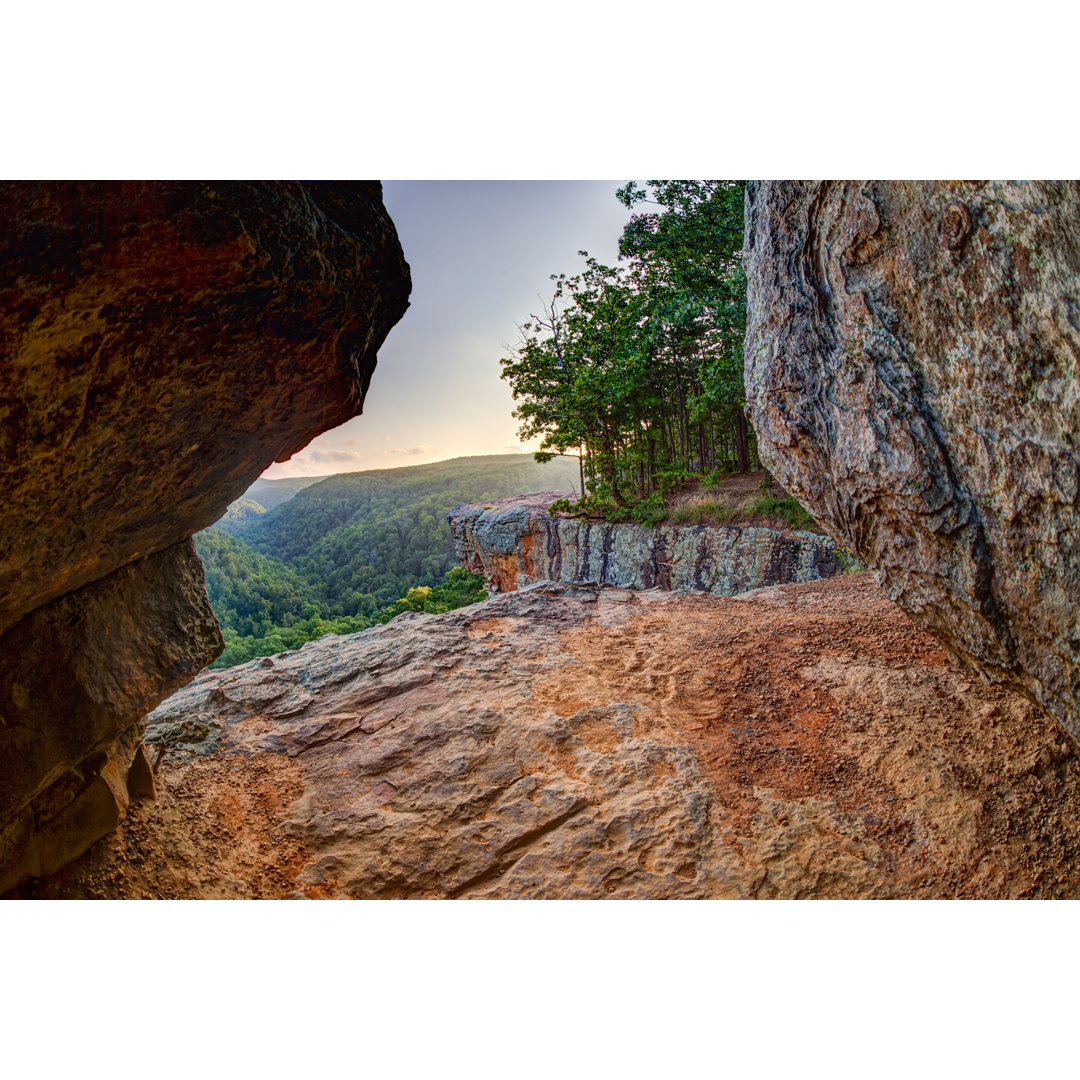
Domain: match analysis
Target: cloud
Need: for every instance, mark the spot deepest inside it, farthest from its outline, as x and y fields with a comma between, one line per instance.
x=316, y=463
x=333, y=457
x=421, y=448
x=517, y=448
x=386, y=438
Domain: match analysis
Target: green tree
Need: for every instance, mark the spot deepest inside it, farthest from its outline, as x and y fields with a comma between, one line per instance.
x=641, y=365
x=688, y=256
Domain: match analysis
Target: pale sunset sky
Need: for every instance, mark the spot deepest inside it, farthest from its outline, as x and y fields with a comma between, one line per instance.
x=480, y=254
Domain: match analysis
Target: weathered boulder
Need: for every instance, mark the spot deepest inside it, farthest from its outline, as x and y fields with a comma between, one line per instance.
x=513, y=542
x=162, y=344
x=580, y=741
x=913, y=375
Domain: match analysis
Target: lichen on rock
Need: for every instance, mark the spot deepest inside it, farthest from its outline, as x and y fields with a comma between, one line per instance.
x=513, y=542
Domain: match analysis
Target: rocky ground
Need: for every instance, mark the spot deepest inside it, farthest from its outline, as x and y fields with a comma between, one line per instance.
x=800, y=741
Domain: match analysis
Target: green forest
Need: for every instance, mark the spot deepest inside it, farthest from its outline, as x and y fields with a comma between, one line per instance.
x=352, y=550
x=638, y=368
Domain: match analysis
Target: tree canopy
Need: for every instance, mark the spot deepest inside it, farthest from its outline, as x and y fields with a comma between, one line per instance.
x=639, y=367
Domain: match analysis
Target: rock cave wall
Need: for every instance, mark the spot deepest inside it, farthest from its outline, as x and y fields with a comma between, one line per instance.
x=163, y=343
x=913, y=375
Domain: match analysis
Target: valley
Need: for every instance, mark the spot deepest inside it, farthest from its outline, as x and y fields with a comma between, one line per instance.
x=349, y=551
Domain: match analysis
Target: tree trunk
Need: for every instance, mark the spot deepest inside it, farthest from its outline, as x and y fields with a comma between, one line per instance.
x=742, y=445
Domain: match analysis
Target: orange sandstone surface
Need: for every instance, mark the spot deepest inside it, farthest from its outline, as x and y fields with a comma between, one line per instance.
x=569, y=741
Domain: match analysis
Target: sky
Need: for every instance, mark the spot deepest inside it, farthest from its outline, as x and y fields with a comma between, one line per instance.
x=480, y=253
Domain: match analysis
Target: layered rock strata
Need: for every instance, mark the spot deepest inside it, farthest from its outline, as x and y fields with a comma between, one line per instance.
x=913, y=375
x=513, y=542
x=162, y=344
x=587, y=742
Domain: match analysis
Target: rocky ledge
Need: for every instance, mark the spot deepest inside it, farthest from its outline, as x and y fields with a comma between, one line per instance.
x=568, y=741
x=514, y=542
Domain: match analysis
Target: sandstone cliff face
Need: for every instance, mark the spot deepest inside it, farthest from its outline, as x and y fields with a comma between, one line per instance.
x=162, y=344
x=513, y=542
x=913, y=375
x=581, y=741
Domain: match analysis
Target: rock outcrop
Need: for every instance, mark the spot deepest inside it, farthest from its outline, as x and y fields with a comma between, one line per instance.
x=162, y=344
x=567, y=741
x=514, y=542
x=913, y=375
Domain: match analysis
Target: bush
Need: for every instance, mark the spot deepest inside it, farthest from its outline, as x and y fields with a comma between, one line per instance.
x=715, y=478
x=648, y=511
x=590, y=504
x=722, y=511
x=849, y=563
x=672, y=477
x=787, y=508
x=719, y=510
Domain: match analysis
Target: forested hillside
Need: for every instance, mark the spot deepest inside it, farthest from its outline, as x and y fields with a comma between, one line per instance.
x=240, y=510
x=362, y=539
x=249, y=592
x=343, y=552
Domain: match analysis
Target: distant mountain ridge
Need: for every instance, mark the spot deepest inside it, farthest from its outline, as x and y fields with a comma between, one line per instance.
x=362, y=539
x=271, y=493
